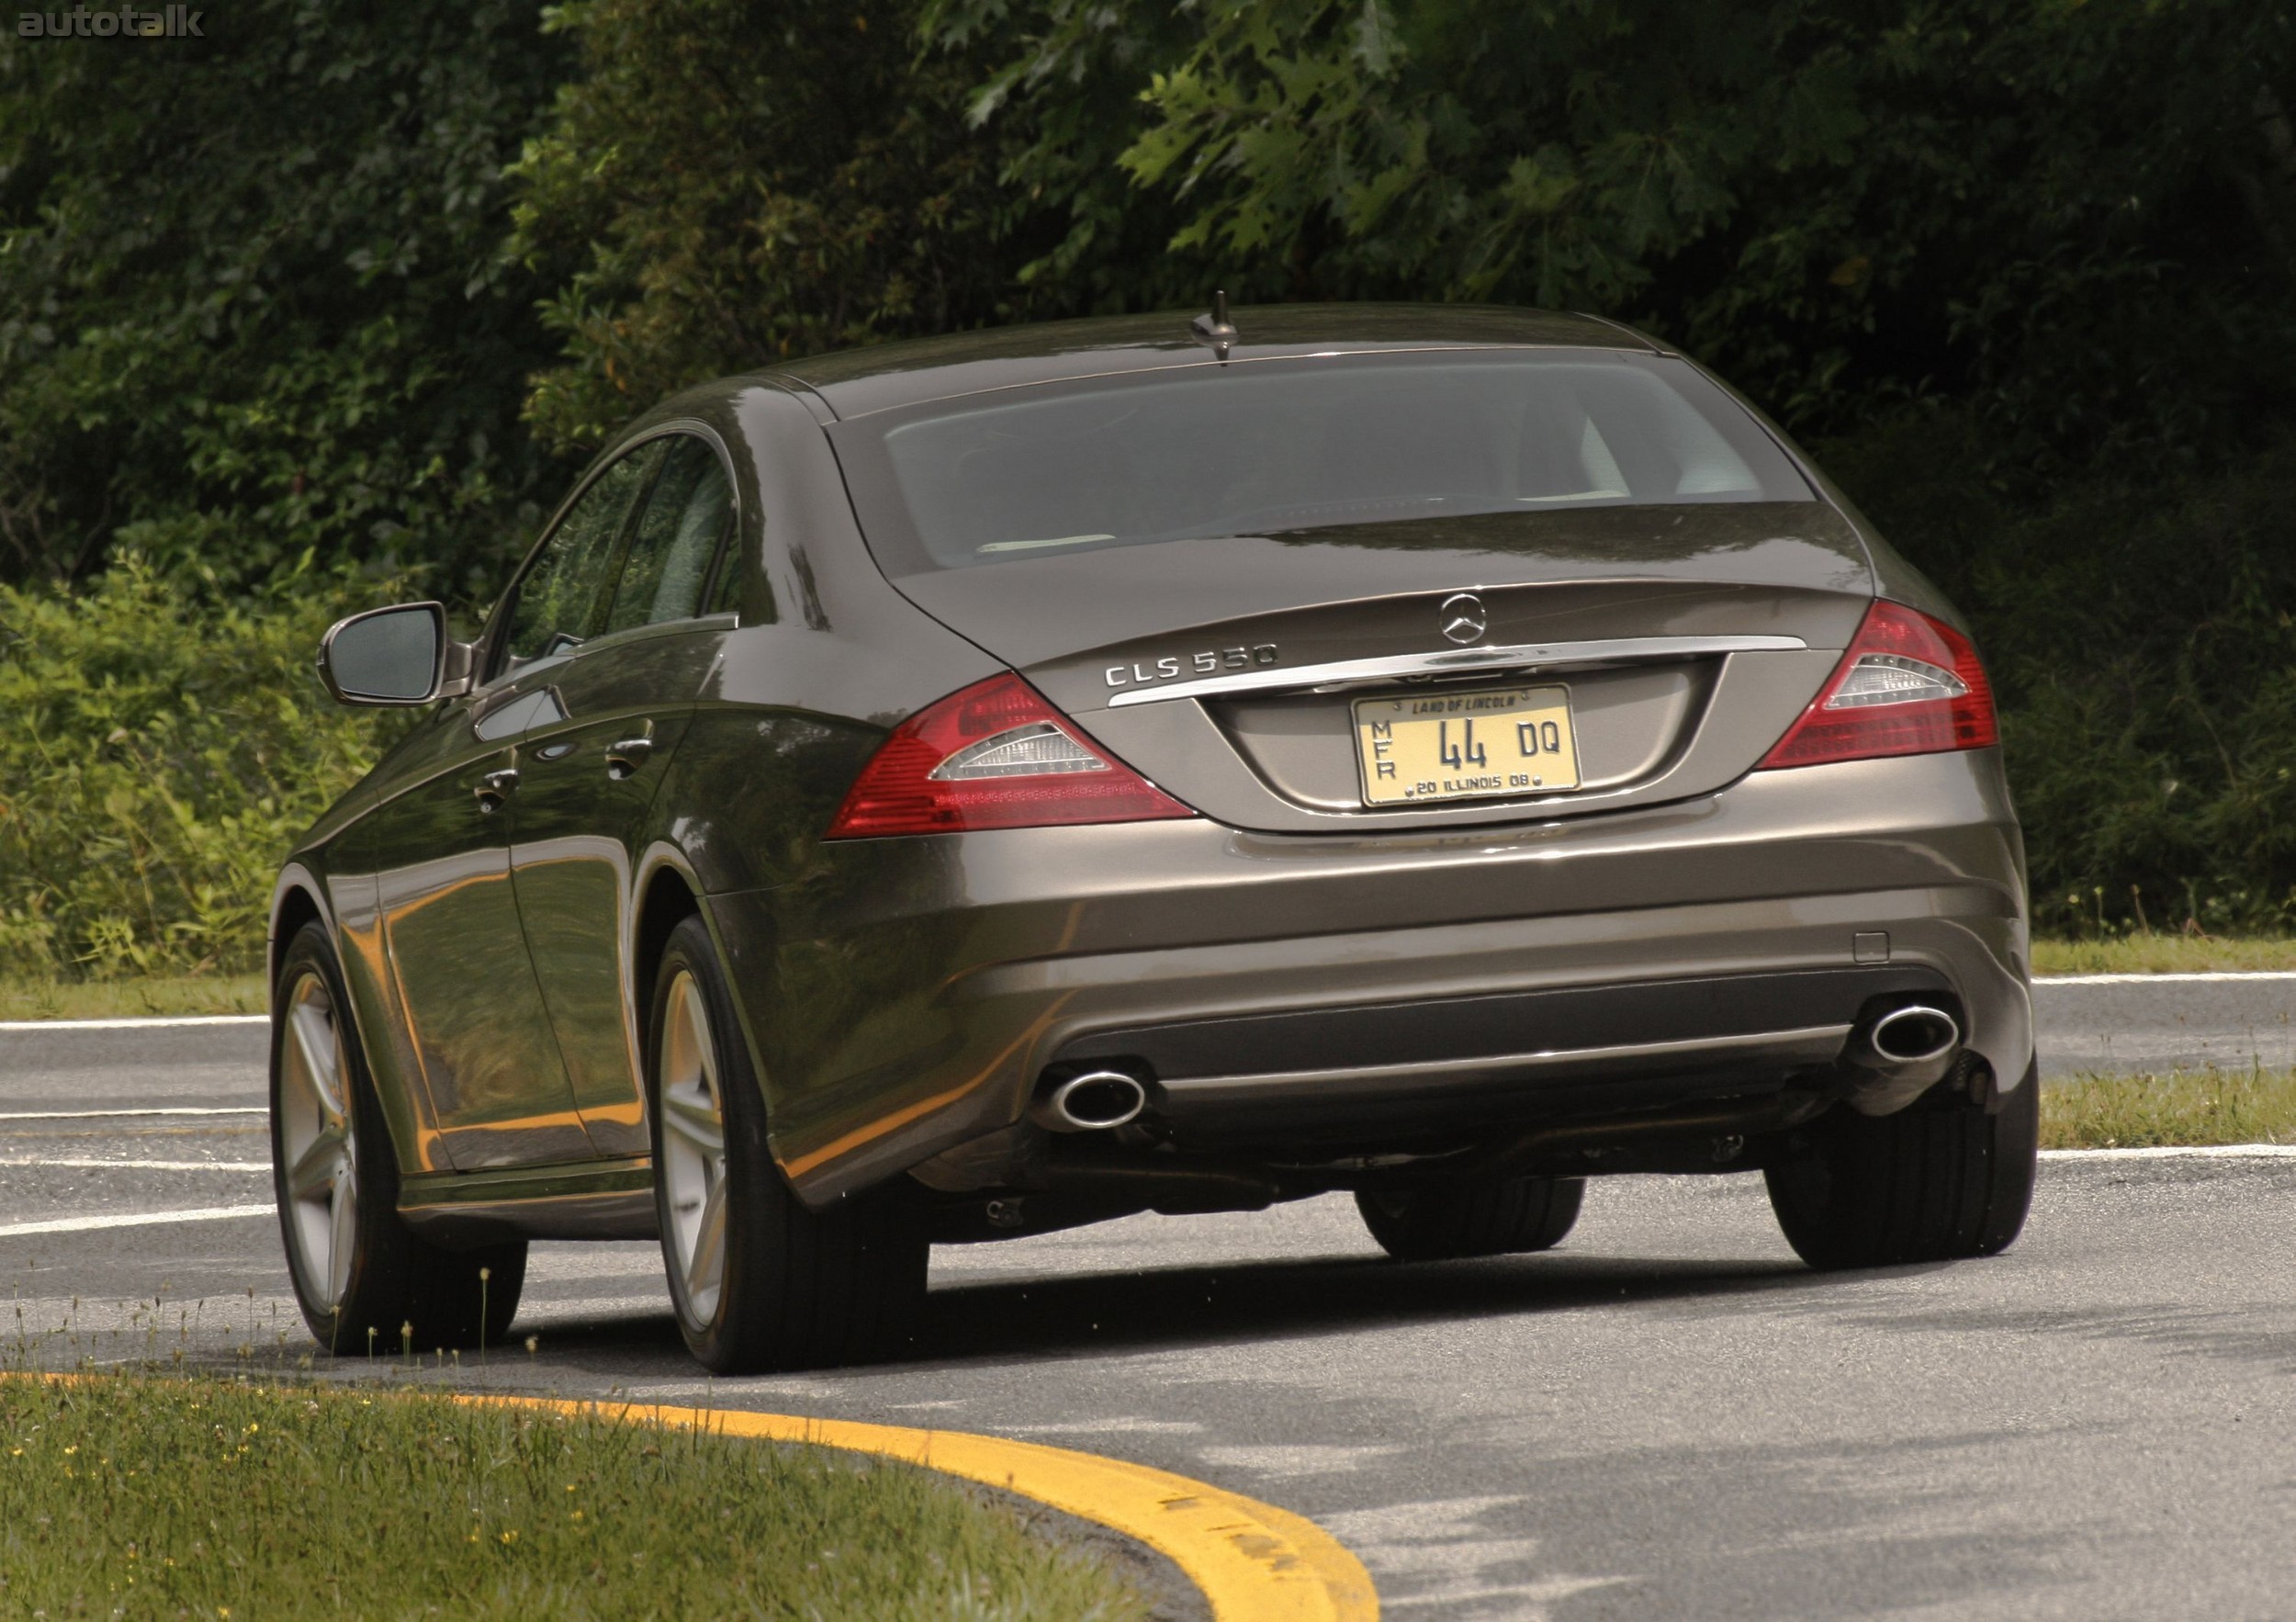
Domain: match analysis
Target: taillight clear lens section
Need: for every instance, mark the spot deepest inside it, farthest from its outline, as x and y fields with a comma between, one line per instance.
x=1907, y=684
x=995, y=755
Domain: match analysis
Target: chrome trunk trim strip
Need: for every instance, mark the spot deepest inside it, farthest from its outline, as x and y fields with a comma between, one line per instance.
x=1458, y=661
x=1803, y=1044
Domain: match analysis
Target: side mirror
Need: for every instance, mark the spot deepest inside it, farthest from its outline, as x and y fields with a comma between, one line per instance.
x=394, y=656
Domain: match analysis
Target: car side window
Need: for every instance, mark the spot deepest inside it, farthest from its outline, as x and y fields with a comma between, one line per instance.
x=686, y=515
x=561, y=600
x=726, y=590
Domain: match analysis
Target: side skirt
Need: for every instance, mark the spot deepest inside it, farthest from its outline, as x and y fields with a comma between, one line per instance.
x=599, y=1199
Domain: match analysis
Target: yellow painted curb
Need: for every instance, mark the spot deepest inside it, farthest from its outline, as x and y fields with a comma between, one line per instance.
x=1251, y=1560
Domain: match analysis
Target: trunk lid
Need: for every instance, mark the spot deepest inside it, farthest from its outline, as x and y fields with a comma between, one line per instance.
x=1687, y=639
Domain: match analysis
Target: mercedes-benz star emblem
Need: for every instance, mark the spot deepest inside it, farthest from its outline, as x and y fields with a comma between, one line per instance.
x=1462, y=616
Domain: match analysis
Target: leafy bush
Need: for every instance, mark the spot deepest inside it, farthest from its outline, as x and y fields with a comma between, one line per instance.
x=159, y=751
x=2138, y=626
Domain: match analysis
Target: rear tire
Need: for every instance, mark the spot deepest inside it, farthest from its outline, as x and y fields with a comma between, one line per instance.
x=1496, y=1218
x=757, y=1281
x=363, y=1279
x=1938, y=1181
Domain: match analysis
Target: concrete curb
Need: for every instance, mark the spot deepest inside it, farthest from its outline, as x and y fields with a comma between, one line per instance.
x=1252, y=1562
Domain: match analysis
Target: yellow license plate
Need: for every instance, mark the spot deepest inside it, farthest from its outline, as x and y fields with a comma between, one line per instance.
x=1465, y=746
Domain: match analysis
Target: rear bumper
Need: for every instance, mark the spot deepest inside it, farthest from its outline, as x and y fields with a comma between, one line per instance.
x=1383, y=1073
x=904, y=997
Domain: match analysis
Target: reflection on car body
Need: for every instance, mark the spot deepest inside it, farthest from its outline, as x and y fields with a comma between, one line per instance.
x=970, y=788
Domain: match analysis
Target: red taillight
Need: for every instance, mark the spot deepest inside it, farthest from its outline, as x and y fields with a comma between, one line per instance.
x=995, y=755
x=1907, y=684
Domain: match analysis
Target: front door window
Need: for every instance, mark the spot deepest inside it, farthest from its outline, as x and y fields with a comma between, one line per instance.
x=561, y=600
x=668, y=559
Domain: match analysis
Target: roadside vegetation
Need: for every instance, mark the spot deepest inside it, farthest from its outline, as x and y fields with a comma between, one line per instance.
x=139, y=996
x=157, y=754
x=2181, y=1109
x=212, y=1498
x=2024, y=277
x=2144, y=952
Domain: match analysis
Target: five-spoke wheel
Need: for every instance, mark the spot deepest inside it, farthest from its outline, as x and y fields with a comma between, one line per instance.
x=693, y=1167
x=757, y=1278
x=318, y=1142
x=366, y=1281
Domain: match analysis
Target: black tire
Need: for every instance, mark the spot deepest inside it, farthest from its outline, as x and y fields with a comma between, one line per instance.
x=1495, y=1219
x=799, y=1288
x=392, y=1287
x=1943, y=1180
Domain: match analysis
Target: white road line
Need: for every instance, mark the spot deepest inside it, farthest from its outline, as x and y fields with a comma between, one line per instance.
x=220, y=1213
x=124, y=1114
x=148, y=1022
x=2198, y=976
x=144, y=1165
x=2172, y=1151
x=136, y=1218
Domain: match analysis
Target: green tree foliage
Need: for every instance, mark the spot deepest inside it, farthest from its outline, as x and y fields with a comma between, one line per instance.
x=725, y=184
x=2137, y=624
x=2080, y=217
x=254, y=307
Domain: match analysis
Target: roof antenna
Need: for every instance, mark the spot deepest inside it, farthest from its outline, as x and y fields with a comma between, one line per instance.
x=1215, y=330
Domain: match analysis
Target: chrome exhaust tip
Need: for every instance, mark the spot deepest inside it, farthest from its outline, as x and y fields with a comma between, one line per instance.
x=1914, y=1034
x=1094, y=1101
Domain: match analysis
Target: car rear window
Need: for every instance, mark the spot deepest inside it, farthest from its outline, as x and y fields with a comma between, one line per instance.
x=1274, y=446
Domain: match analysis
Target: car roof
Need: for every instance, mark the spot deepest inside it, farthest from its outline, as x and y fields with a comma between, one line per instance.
x=884, y=377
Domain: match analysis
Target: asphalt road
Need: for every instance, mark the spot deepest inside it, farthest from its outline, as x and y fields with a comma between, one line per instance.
x=2140, y=1022
x=1666, y=1417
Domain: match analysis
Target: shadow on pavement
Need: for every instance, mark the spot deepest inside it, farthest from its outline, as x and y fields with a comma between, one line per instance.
x=1256, y=1300
x=1054, y=1316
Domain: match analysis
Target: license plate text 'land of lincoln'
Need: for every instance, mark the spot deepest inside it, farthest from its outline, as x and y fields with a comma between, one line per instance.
x=1462, y=746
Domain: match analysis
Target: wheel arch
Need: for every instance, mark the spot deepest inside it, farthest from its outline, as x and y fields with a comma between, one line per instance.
x=296, y=900
x=669, y=892
x=666, y=895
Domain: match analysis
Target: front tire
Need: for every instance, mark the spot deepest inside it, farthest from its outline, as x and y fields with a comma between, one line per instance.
x=1942, y=1180
x=363, y=1279
x=757, y=1281
x=1496, y=1218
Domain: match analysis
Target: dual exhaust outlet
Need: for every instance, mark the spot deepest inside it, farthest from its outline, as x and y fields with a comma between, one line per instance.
x=1914, y=1034
x=1094, y=1100
x=1901, y=1054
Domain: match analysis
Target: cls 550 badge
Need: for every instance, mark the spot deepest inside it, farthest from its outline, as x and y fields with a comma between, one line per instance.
x=1207, y=662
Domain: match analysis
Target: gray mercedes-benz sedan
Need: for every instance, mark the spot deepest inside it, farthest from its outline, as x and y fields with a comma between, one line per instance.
x=966, y=788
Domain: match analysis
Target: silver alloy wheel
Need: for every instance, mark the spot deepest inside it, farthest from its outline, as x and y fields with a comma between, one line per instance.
x=694, y=1146
x=318, y=1143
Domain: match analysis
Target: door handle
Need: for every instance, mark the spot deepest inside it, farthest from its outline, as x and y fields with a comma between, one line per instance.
x=626, y=757
x=494, y=787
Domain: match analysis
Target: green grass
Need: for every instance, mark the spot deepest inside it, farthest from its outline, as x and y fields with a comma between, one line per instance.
x=222, y=1500
x=128, y=999
x=2184, y=1108
x=2141, y=953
